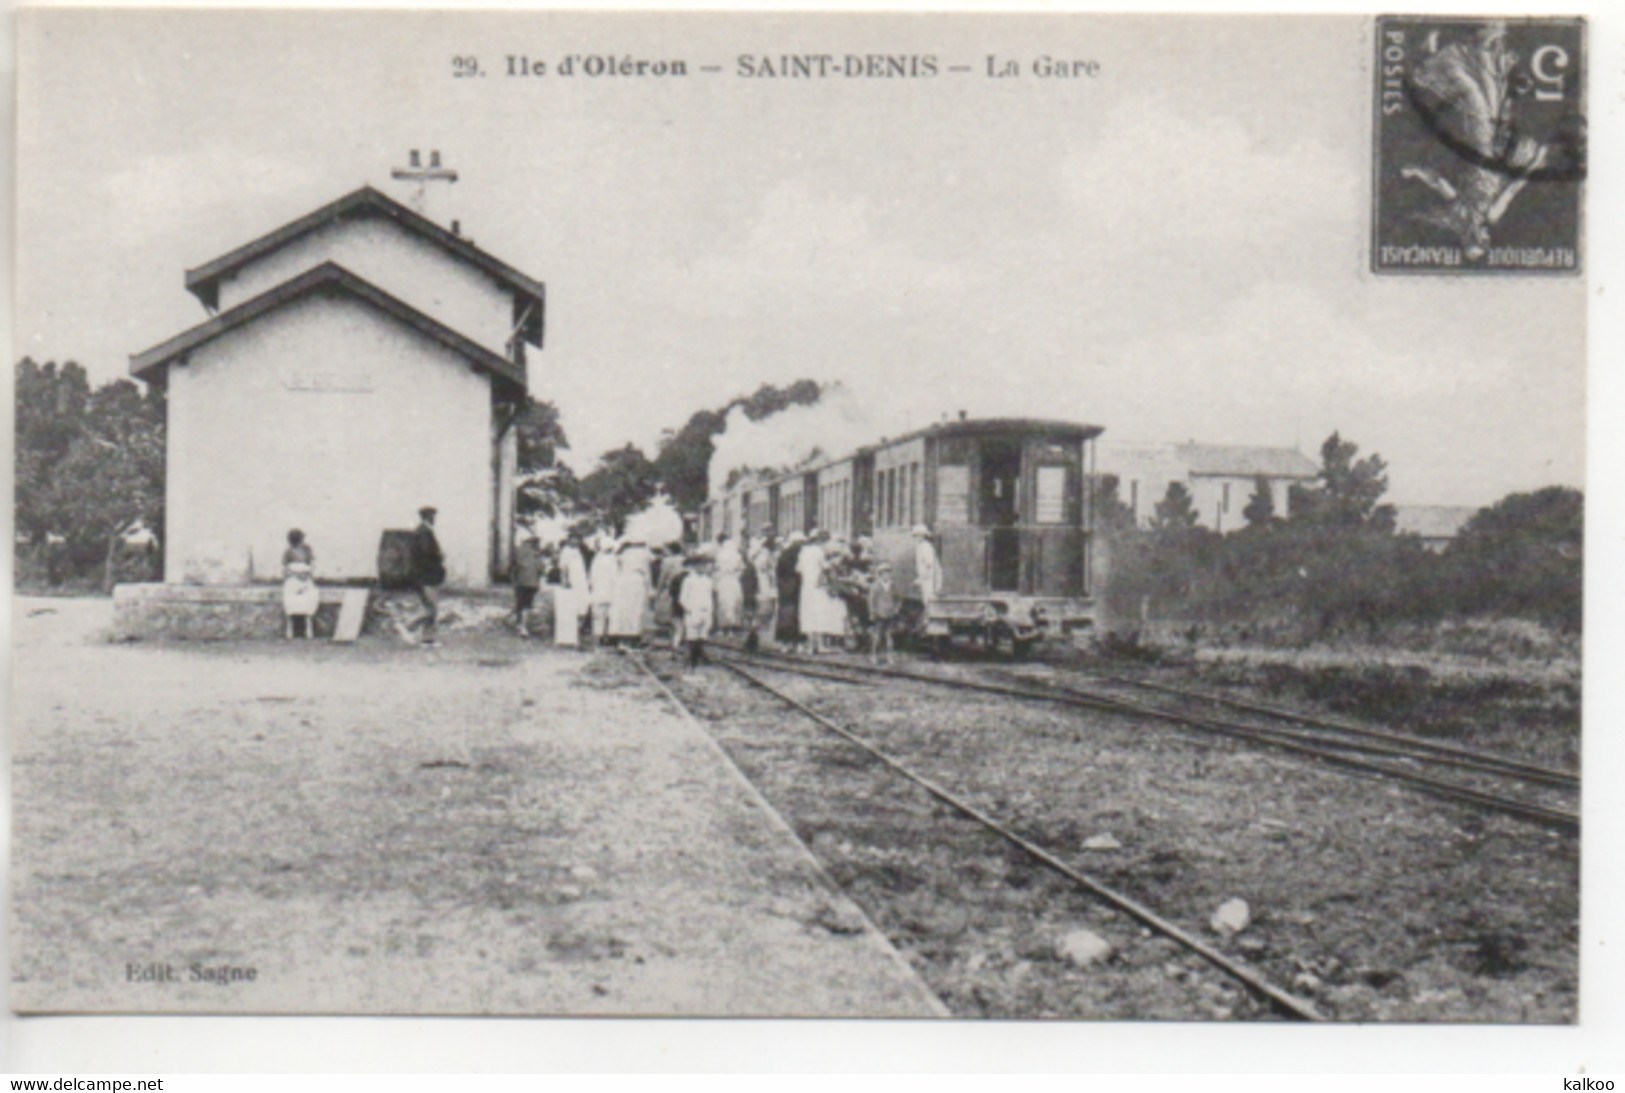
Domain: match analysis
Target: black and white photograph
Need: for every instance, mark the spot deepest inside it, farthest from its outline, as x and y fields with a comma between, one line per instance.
x=800, y=515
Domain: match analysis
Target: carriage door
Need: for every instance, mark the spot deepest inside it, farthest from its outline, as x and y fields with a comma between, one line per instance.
x=1001, y=482
x=1055, y=545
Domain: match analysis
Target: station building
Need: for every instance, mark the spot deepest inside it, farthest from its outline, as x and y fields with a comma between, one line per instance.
x=357, y=364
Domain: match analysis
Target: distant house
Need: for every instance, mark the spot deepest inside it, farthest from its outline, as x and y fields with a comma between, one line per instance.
x=358, y=363
x=1221, y=478
x=1436, y=525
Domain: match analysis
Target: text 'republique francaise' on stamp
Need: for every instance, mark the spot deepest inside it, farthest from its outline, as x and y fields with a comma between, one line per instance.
x=1480, y=145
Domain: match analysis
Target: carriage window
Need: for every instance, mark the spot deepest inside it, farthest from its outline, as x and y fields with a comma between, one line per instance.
x=890, y=478
x=953, y=494
x=1052, y=495
x=915, y=505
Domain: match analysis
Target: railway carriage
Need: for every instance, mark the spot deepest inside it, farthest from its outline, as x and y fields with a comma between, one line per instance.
x=1006, y=500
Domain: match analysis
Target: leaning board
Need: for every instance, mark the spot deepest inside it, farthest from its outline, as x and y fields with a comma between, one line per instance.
x=352, y=612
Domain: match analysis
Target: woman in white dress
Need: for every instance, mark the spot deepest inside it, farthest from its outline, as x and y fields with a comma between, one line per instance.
x=570, y=598
x=602, y=584
x=300, y=596
x=820, y=617
x=631, y=600
x=729, y=566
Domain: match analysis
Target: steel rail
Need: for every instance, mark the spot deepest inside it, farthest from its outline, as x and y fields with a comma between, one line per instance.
x=1466, y=756
x=1402, y=745
x=1281, y=999
x=1067, y=696
x=1385, y=744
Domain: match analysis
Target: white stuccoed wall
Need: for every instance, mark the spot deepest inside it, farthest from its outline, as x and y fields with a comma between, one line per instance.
x=1152, y=466
x=1207, y=493
x=402, y=263
x=250, y=455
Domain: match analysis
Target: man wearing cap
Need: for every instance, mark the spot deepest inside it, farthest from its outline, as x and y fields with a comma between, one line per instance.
x=528, y=567
x=428, y=571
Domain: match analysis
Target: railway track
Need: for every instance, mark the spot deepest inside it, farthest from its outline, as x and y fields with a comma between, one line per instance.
x=1353, y=750
x=1387, y=742
x=1281, y=1001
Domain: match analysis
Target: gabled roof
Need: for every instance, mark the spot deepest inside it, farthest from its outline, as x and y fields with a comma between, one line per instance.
x=1432, y=521
x=204, y=281
x=1245, y=462
x=329, y=277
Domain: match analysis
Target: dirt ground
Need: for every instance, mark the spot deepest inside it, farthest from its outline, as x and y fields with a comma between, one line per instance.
x=487, y=827
x=1375, y=902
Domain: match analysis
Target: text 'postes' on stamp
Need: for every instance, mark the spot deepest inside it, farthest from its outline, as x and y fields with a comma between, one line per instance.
x=1480, y=145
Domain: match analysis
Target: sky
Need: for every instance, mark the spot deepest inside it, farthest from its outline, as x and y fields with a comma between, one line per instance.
x=1174, y=249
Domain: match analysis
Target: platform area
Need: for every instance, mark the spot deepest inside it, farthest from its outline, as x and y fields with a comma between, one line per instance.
x=183, y=612
x=490, y=826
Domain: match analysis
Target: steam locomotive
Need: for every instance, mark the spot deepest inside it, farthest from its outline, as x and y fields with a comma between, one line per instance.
x=1006, y=500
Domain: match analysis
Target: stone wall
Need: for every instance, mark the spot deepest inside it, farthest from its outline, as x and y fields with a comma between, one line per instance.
x=250, y=612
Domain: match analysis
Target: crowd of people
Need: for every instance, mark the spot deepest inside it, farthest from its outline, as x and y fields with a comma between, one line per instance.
x=809, y=593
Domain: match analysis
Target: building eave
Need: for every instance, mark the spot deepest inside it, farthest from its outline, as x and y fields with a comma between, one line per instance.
x=1295, y=476
x=204, y=281
x=328, y=277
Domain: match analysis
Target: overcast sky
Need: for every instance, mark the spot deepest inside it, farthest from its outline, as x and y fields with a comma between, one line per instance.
x=1174, y=249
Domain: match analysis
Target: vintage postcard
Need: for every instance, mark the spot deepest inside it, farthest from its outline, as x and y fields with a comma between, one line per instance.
x=799, y=515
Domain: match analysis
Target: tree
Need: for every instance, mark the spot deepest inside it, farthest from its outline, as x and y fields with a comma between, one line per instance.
x=90, y=465
x=1176, y=511
x=624, y=482
x=683, y=462
x=1522, y=556
x=1111, y=515
x=1340, y=539
x=545, y=487
x=1260, y=510
x=1348, y=490
x=540, y=435
x=113, y=476
x=50, y=413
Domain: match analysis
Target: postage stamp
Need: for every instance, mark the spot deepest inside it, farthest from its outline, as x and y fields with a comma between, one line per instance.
x=1480, y=145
